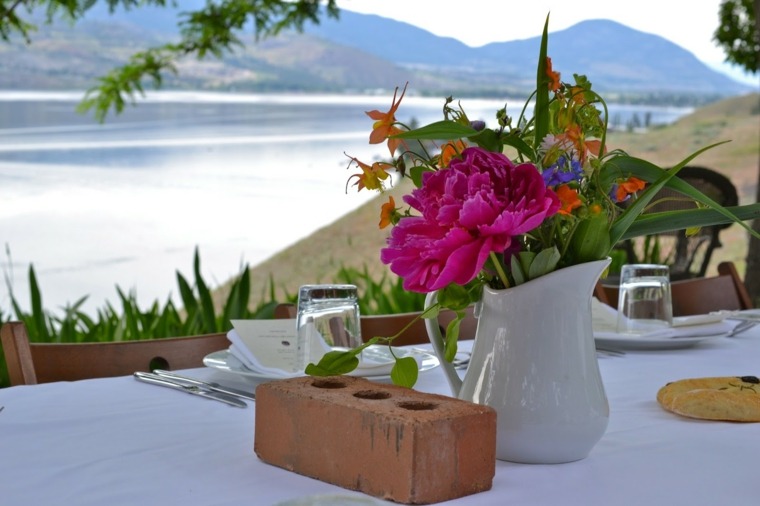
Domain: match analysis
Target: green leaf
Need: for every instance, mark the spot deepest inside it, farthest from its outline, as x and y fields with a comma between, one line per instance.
x=526, y=258
x=207, y=305
x=542, y=89
x=454, y=297
x=440, y=130
x=452, y=329
x=545, y=262
x=405, y=372
x=450, y=350
x=520, y=145
x=38, y=313
x=591, y=239
x=627, y=165
x=416, y=173
x=517, y=271
x=657, y=223
x=488, y=139
x=334, y=363
x=432, y=311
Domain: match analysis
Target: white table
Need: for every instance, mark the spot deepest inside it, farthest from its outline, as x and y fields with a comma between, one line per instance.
x=119, y=442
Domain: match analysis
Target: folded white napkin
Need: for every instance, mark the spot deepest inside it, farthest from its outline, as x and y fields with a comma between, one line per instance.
x=604, y=321
x=375, y=360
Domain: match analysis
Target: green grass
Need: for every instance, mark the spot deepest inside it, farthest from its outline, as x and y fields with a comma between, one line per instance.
x=199, y=314
x=126, y=321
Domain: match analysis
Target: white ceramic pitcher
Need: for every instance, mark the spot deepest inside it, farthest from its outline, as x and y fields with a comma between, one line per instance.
x=534, y=361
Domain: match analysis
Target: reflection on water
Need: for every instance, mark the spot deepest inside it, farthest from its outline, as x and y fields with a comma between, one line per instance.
x=125, y=203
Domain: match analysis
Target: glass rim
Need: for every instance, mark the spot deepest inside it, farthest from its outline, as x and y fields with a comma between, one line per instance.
x=327, y=291
x=646, y=266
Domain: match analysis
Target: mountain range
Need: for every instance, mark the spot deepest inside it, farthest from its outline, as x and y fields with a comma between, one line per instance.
x=616, y=58
x=344, y=55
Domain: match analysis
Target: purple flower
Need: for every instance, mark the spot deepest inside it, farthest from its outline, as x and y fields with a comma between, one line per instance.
x=469, y=210
x=563, y=172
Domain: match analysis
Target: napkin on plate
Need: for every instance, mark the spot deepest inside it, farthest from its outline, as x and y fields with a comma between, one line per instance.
x=604, y=321
x=267, y=349
x=244, y=350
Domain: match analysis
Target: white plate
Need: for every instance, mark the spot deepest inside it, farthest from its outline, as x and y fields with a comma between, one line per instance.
x=699, y=319
x=225, y=361
x=650, y=343
x=745, y=314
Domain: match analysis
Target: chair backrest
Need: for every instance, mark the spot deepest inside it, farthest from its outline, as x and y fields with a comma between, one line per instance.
x=697, y=295
x=390, y=324
x=31, y=363
x=690, y=255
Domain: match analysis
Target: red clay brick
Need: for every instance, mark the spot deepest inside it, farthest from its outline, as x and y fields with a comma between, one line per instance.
x=383, y=440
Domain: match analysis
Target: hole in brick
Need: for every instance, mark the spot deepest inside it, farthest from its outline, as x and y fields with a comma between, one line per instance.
x=328, y=383
x=372, y=395
x=417, y=405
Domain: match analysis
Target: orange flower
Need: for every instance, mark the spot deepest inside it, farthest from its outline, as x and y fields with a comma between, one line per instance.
x=385, y=124
x=630, y=185
x=450, y=150
x=578, y=95
x=372, y=176
x=553, y=76
x=386, y=212
x=568, y=197
x=574, y=134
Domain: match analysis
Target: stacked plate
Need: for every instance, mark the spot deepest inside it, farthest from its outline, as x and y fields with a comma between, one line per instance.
x=375, y=363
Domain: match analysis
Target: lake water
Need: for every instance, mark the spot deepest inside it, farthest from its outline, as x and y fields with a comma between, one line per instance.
x=126, y=203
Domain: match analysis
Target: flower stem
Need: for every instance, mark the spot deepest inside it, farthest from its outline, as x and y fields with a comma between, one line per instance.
x=499, y=269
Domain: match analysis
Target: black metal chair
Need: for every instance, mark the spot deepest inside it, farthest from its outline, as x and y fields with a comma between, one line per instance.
x=689, y=256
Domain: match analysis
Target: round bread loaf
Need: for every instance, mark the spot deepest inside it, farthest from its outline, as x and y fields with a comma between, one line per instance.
x=729, y=398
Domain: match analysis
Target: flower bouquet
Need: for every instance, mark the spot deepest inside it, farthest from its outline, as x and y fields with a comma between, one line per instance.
x=504, y=204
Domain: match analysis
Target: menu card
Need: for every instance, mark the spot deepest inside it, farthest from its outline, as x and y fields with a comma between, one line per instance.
x=267, y=346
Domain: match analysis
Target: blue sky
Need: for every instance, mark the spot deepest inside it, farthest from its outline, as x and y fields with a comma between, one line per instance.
x=478, y=22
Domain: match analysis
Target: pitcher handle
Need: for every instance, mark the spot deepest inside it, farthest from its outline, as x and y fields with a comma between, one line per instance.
x=436, y=339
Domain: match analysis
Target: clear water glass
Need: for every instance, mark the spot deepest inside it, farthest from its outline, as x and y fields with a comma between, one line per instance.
x=328, y=318
x=644, y=301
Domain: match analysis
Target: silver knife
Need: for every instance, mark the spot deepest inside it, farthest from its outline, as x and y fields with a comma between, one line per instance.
x=216, y=387
x=155, y=379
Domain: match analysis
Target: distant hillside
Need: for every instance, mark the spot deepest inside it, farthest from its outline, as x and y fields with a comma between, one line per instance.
x=344, y=56
x=615, y=57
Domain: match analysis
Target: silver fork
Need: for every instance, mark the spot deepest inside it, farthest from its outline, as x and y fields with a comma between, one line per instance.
x=610, y=351
x=742, y=326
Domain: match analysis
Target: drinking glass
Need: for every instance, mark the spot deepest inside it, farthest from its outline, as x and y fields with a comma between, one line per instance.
x=644, y=301
x=328, y=318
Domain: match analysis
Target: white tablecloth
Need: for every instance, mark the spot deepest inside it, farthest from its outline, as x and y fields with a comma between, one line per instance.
x=119, y=442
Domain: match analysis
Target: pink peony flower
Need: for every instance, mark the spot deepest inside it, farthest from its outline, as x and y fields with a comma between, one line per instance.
x=468, y=210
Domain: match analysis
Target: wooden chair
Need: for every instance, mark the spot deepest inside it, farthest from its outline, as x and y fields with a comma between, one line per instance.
x=690, y=254
x=31, y=363
x=696, y=295
x=391, y=324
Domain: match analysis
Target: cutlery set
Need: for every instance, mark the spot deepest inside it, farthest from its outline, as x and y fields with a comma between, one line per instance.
x=192, y=386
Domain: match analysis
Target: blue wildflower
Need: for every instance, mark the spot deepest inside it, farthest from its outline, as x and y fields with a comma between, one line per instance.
x=563, y=171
